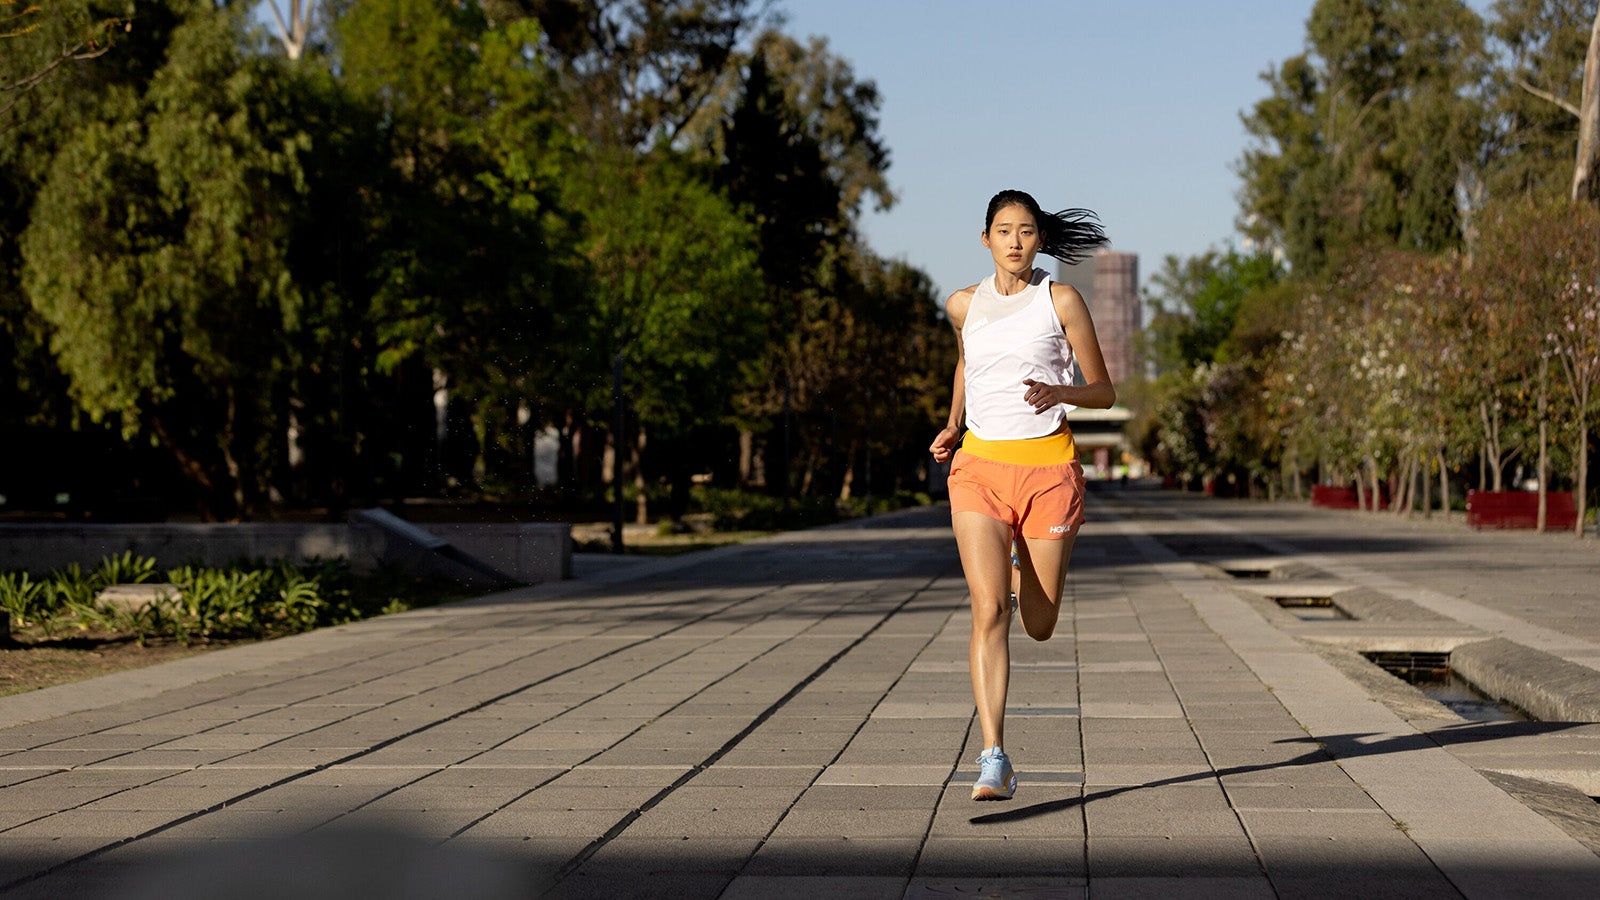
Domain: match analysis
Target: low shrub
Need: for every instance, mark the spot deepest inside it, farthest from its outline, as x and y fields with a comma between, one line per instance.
x=214, y=603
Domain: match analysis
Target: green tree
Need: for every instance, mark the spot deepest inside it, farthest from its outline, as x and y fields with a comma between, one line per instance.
x=635, y=72
x=1365, y=138
x=469, y=242
x=672, y=287
x=1540, y=281
x=1198, y=303
x=1536, y=85
x=155, y=254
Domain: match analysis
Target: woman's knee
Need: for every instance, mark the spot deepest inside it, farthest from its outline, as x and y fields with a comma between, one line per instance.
x=990, y=616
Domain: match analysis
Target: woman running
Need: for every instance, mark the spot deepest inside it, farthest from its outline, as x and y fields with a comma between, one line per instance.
x=1021, y=339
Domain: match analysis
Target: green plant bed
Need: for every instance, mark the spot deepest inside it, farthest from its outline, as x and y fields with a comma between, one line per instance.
x=194, y=603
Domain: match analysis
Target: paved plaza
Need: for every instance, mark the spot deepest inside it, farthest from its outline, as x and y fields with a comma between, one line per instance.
x=793, y=718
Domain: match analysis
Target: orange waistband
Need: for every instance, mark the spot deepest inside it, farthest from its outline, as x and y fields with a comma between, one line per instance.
x=1050, y=450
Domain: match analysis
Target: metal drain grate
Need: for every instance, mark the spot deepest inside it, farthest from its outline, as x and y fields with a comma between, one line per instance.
x=1248, y=573
x=1313, y=609
x=1431, y=674
x=1412, y=666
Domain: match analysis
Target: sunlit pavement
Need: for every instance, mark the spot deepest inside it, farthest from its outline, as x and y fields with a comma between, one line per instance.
x=792, y=718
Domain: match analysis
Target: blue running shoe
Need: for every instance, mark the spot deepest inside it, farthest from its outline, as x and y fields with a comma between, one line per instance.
x=995, y=781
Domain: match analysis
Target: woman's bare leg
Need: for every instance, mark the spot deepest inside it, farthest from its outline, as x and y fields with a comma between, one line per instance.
x=1044, y=573
x=985, y=547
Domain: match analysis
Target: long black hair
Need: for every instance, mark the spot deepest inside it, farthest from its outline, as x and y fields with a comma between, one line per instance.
x=1069, y=235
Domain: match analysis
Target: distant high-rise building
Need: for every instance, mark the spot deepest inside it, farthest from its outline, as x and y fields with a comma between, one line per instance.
x=1109, y=283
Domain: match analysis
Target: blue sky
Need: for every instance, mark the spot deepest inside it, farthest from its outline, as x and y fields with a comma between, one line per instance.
x=1127, y=107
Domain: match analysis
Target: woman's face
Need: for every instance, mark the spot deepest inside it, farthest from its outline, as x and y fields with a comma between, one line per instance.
x=1013, y=240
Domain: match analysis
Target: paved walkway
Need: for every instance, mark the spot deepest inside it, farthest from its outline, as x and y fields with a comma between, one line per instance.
x=792, y=718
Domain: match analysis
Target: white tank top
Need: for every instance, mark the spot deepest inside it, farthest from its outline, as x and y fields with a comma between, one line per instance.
x=1006, y=340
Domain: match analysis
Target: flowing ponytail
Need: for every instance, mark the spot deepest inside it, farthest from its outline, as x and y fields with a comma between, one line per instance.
x=1069, y=235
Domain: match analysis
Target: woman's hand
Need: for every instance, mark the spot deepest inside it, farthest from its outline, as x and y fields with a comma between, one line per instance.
x=1042, y=396
x=945, y=444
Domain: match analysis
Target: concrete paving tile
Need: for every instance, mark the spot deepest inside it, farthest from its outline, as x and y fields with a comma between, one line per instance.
x=696, y=795
x=1144, y=856
x=23, y=857
x=434, y=825
x=559, y=795
x=1365, y=882
x=243, y=777
x=110, y=825
x=924, y=754
x=1322, y=823
x=1184, y=823
x=321, y=797
x=10, y=818
x=648, y=856
x=1152, y=804
x=248, y=825
x=1095, y=725
x=1306, y=797
x=993, y=857
x=1179, y=888
x=500, y=758
x=1176, y=754
x=673, y=821
x=99, y=742
x=56, y=759
x=946, y=709
x=587, y=741
x=852, y=823
x=1323, y=774
x=411, y=757
x=9, y=777
x=1053, y=812
x=998, y=888
x=740, y=756
x=45, y=797
x=1131, y=710
x=623, y=884
x=659, y=776
x=623, y=755
x=1138, y=665
x=423, y=795
x=545, y=823
x=810, y=887
x=1299, y=856
x=274, y=757
x=836, y=797
x=1137, y=773
x=884, y=775
x=215, y=741
x=884, y=857
x=172, y=798
x=1278, y=737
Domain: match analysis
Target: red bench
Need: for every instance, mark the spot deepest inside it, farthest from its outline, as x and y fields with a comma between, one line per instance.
x=1330, y=496
x=1520, y=509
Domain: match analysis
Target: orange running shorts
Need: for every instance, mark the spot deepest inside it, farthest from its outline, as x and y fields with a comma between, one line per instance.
x=1037, y=501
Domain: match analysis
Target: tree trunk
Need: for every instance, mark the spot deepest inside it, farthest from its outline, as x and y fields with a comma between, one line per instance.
x=747, y=447
x=1544, y=445
x=1444, y=488
x=1377, y=485
x=1427, y=492
x=1581, y=495
x=1588, y=118
x=641, y=514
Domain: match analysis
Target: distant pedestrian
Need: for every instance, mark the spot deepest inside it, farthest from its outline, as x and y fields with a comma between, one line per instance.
x=1022, y=340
